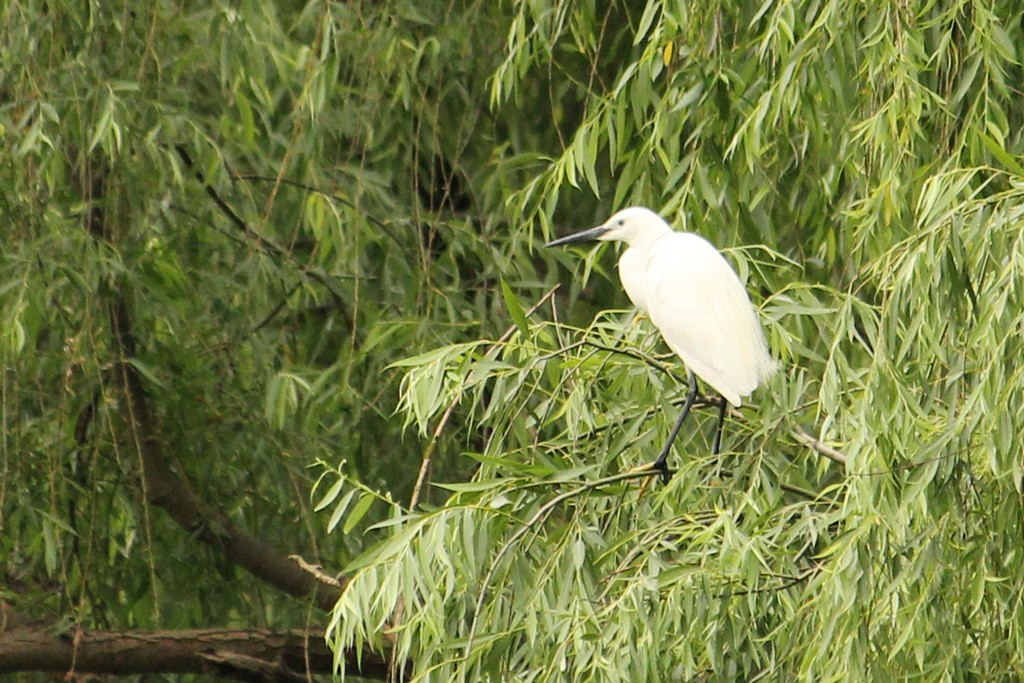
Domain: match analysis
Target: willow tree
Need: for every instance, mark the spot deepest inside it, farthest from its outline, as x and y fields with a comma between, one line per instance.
x=270, y=282
x=864, y=521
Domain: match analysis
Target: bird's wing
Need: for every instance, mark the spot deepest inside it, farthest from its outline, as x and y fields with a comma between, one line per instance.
x=704, y=313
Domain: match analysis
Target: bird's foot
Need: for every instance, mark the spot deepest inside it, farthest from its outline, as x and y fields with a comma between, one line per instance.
x=660, y=467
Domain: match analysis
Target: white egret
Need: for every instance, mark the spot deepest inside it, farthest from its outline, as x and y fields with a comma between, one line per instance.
x=697, y=302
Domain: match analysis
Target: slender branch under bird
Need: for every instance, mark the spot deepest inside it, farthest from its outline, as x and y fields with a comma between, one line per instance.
x=428, y=452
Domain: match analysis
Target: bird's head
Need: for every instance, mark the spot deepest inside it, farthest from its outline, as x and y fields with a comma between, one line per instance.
x=632, y=226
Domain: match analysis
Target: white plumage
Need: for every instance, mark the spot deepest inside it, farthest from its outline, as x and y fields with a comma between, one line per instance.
x=695, y=299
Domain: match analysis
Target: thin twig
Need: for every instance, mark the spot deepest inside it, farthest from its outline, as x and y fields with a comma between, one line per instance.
x=265, y=244
x=784, y=583
x=650, y=361
x=815, y=444
x=541, y=513
x=385, y=227
x=317, y=571
x=428, y=452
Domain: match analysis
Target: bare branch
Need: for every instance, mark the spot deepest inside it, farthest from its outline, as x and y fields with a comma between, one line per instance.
x=251, y=654
x=816, y=444
x=162, y=485
x=167, y=489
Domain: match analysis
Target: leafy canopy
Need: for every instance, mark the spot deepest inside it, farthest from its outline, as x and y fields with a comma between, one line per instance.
x=873, y=148
x=320, y=213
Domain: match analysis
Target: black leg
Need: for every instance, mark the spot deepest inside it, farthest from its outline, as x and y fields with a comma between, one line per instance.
x=721, y=426
x=660, y=463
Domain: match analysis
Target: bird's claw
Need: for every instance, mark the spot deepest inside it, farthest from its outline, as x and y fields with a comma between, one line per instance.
x=666, y=473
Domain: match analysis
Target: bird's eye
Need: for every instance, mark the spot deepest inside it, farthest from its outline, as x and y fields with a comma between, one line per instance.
x=622, y=221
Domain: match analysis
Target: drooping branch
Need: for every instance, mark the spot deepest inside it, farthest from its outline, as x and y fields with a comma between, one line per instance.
x=164, y=486
x=245, y=654
x=167, y=489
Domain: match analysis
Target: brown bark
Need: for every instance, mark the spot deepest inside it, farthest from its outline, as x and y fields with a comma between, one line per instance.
x=168, y=490
x=248, y=654
x=10, y=618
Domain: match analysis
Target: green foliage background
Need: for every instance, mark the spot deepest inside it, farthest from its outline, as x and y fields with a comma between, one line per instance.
x=393, y=168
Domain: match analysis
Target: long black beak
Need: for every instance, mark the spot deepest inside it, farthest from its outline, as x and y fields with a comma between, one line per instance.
x=585, y=236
